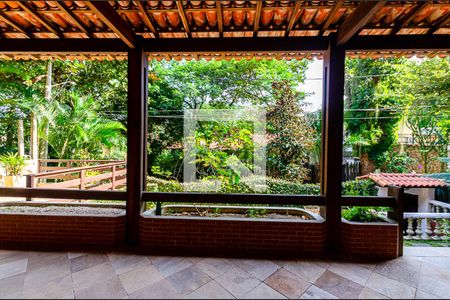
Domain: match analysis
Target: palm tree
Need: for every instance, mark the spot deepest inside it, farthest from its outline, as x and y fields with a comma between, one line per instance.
x=77, y=131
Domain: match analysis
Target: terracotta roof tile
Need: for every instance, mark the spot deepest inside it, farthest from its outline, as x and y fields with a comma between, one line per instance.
x=403, y=180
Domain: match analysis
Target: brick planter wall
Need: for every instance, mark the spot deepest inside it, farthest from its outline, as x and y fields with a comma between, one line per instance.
x=232, y=237
x=60, y=232
x=376, y=240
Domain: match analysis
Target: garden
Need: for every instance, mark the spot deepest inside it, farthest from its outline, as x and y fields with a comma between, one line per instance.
x=77, y=111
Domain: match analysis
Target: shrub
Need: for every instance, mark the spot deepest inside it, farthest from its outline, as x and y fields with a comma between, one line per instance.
x=359, y=214
x=359, y=188
x=13, y=164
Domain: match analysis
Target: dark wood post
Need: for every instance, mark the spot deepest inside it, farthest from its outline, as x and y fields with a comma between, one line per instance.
x=137, y=131
x=332, y=137
x=397, y=215
x=113, y=178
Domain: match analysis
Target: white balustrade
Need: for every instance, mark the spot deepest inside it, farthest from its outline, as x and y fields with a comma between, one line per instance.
x=426, y=226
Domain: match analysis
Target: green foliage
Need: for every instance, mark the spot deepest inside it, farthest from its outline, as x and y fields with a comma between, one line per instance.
x=256, y=213
x=13, y=164
x=291, y=135
x=359, y=188
x=370, y=129
x=428, y=116
x=78, y=132
x=383, y=91
x=274, y=186
x=398, y=163
x=359, y=214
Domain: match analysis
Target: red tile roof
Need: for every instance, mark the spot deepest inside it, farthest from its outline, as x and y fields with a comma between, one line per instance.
x=403, y=180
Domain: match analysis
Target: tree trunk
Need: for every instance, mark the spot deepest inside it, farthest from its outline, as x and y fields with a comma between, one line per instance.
x=48, y=98
x=20, y=138
x=34, y=137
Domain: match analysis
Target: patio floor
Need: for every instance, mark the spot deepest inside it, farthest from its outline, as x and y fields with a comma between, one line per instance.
x=420, y=273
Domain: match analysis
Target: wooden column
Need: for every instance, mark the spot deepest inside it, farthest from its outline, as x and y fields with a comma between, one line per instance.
x=332, y=137
x=137, y=131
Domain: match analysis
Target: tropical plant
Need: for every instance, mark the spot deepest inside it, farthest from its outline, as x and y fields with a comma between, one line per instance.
x=78, y=132
x=13, y=164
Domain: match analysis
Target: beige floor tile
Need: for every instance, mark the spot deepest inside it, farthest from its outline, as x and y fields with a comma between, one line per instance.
x=404, y=269
x=259, y=268
x=43, y=274
x=93, y=276
x=390, y=287
x=139, y=278
x=351, y=271
x=338, y=285
x=287, y=283
x=424, y=295
x=38, y=260
x=169, y=265
x=308, y=270
x=110, y=289
x=188, y=280
x=441, y=273
x=123, y=263
x=434, y=286
x=237, y=282
x=86, y=261
x=313, y=292
x=58, y=288
x=211, y=290
x=367, y=293
x=162, y=289
x=263, y=291
x=11, y=285
x=11, y=256
x=13, y=268
x=214, y=267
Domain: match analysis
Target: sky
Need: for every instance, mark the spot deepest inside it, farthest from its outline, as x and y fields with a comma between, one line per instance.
x=313, y=84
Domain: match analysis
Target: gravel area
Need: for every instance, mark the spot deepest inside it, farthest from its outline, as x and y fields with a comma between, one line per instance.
x=231, y=215
x=63, y=210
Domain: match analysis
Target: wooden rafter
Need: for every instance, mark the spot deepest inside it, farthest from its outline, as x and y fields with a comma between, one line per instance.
x=219, y=18
x=72, y=16
x=114, y=21
x=411, y=15
x=443, y=21
x=358, y=19
x=257, y=17
x=183, y=18
x=294, y=16
x=5, y=18
x=330, y=17
x=146, y=18
x=32, y=11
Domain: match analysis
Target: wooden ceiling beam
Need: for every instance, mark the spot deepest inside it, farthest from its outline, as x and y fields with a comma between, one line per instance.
x=146, y=18
x=5, y=18
x=26, y=6
x=411, y=15
x=72, y=16
x=114, y=21
x=296, y=11
x=442, y=22
x=183, y=18
x=330, y=17
x=358, y=19
x=257, y=17
x=219, y=17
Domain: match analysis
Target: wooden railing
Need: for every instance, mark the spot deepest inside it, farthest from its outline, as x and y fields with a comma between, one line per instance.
x=46, y=165
x=107, y=176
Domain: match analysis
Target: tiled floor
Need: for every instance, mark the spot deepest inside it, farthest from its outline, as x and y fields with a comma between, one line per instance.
x=420, y=273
